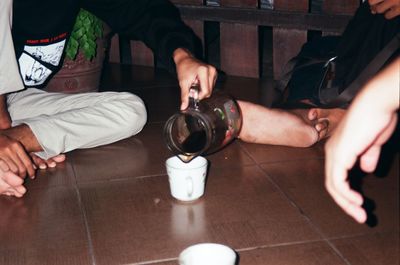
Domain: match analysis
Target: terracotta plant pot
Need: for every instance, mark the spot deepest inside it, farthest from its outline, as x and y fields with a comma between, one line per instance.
x=79, y=75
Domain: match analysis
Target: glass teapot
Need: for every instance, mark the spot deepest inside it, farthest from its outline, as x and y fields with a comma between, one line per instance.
x=204, y=127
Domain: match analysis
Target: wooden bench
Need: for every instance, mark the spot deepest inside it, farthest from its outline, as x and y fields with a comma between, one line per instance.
x=240, y=37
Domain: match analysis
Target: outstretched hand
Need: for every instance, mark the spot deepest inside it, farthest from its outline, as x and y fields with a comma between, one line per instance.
x=390, y=8
x=350, y=142
x=367, y=125
x=191, y=70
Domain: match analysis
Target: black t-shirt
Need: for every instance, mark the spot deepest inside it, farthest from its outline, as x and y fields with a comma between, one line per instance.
x=41, y=29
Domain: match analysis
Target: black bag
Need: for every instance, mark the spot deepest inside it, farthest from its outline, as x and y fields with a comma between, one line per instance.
x=329, y=71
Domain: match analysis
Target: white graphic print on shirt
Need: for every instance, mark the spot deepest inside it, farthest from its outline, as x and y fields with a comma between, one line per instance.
x=33, y=71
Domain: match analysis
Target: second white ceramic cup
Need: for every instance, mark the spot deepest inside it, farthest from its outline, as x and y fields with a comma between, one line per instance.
x=187, y=180
x=207, y=254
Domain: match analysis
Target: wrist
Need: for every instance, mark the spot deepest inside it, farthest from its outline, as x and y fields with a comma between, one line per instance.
x=180, y=54
x=5, y=119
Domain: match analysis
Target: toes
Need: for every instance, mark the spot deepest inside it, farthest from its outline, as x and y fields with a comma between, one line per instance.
x=322, y=127
x=51, y=164
x=42, y=165
x=322, y=124
x=312, y=114
x=59, y=158
x=38, y=161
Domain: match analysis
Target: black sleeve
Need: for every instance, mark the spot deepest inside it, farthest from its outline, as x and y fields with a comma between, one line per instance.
x=155, y=22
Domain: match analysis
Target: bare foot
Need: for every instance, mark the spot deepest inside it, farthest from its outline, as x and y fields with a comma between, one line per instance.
x=279, y=127
x=331, y=117
x=51, y=162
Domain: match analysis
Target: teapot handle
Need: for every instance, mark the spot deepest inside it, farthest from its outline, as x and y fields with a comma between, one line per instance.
x=194, y=95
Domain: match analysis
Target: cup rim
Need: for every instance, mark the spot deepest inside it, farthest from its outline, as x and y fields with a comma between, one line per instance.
x=169, y=163
x=228, y=250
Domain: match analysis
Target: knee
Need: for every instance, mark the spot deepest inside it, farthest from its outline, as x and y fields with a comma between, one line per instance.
x=137, y=117
x=6, y=5
x=134, y=114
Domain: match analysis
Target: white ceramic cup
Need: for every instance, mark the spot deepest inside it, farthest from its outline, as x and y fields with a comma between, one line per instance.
x=207, y=254
x=186, y=180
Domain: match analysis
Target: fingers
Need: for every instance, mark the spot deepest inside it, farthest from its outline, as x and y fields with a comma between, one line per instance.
x=12, y=179
x=212, y=78
x=16, y=191
x=349, y=200
x=4, y=166
x=28, y=167
x=390, y=8
x=11, y=184
x=337, y=183
x=383, y=6
x=185, y=85
x=17, y=160
x=340, y=186
x=374, y=2
x=393, y=12
x=206, y=75
x=184, y=96
x=369, y=160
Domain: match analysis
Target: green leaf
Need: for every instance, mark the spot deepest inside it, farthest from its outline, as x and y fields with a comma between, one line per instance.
x=86, y=30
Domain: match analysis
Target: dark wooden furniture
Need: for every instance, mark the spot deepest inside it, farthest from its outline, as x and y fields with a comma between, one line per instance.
x=248, y=36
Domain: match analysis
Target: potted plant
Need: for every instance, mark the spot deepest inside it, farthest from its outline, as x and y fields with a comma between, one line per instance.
x=85, y=52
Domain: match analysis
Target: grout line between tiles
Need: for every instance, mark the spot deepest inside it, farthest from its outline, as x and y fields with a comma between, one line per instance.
x=148, y=176
x=294, y=243
x=278, y=161
x=239, y=250
x=82, y=209
x=335, y=250
x=291, y=160
x=156, y=122
x=244, y=149
x=121, y=179
x=151, y=262
x=361, y=234
x=313, y=226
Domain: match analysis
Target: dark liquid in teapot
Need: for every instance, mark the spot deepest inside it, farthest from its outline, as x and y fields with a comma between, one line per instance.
x=204, y=128
x=195, y=142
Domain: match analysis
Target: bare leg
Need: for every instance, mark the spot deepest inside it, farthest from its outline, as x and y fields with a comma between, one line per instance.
x=279, y=127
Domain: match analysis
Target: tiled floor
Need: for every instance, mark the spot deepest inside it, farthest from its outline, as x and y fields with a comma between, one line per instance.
x=111, y=205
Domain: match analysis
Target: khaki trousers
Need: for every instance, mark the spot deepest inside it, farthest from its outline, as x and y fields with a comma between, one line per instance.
x=64, y=122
